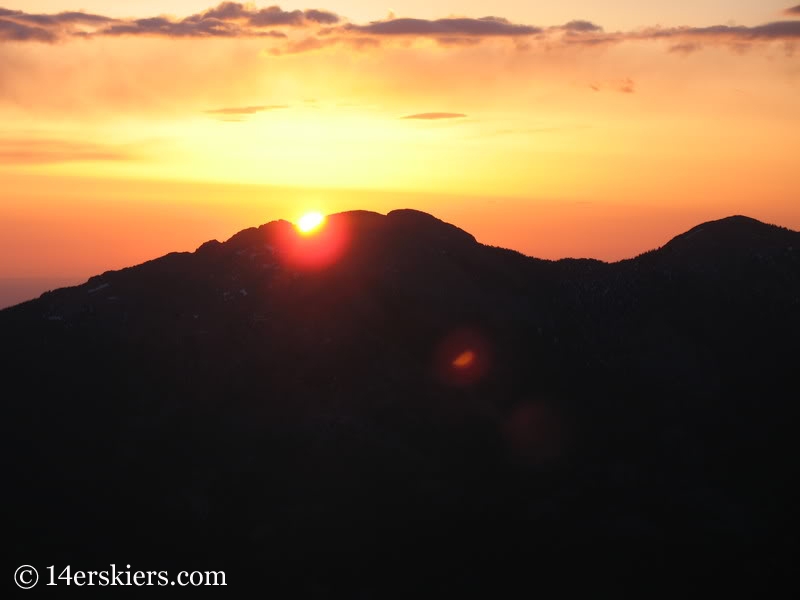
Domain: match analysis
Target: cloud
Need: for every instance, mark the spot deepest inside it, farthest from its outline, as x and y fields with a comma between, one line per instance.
x=322, y=16
x=794, y=11
x=312, y=43
x=62, y=18
x=234, y=113
x=580, y=26
x=627, y=86
x=457, y=41
x=484, y=27
x=12, y=31
x=52, y=151
x=465, y=31
x=227, y=20
x=245, y=110
x=688, y=39
x=432, y=116
x=323, y=28
x=779, y=30
x=624, y=86
x=225, y=11
x=684, y=48
x=304, y=45
x=19, y=26
x=273, y=16
x=190, y=28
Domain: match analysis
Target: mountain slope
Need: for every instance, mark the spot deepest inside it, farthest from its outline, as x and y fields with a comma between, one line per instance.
x=390, y=394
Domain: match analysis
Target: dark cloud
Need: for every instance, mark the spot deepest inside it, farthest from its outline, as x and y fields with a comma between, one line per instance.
x=779, y=30
x=245, y=110
x=187, y=28
x=688, y=38
x=794, y=11
x=581, y=26
x=16, y=25
x=322, y=17
x=40, y=152
x=432, y=116
x=227, y=11
x=227, y=20
x=485, y=27
x=17, y=32
x=685, y=48
x=273, y=16
x=64, y=18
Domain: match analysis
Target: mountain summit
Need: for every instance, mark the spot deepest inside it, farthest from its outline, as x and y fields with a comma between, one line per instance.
x=389, y=396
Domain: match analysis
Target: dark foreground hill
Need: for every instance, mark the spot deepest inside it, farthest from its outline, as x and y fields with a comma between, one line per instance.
x=389, y=403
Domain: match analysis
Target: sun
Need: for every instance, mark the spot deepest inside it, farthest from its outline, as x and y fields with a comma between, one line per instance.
x=310, y=222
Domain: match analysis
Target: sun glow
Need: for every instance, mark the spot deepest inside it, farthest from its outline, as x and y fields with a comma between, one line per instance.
x=310, y=222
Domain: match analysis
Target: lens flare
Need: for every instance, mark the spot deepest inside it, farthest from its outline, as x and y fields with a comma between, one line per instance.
x=464, y=360
x=463, y=357
x=310, y=222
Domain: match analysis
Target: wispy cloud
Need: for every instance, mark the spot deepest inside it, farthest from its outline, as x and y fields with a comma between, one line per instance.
x=240, y=114
x=682, y=36
x=778, y=30
x=245, y=110
x=794, y=11
x=685, y=48
x=312, y=43
x=52, y=151
x=432, y=116
x=627, y=86
x=624, y=86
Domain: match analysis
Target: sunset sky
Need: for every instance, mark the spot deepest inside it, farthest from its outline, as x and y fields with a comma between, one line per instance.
x=129, y=129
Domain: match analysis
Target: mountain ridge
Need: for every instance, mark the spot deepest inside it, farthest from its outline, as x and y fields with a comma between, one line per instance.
x=733, y=229
x=390, y=396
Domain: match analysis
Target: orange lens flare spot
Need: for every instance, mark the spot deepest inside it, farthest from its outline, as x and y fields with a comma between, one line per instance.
x=462, y=357
x=310, y=222
x=464, y=360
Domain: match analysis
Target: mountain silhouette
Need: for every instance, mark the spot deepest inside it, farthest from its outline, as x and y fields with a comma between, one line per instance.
x=388, y=401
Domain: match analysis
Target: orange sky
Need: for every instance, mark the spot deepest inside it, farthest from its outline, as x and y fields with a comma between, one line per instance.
x=122, y=139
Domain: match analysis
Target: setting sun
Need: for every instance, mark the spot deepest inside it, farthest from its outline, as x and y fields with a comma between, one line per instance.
x=310, y=222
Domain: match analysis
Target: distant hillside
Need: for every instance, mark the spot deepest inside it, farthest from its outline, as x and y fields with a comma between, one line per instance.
x=388, y=401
